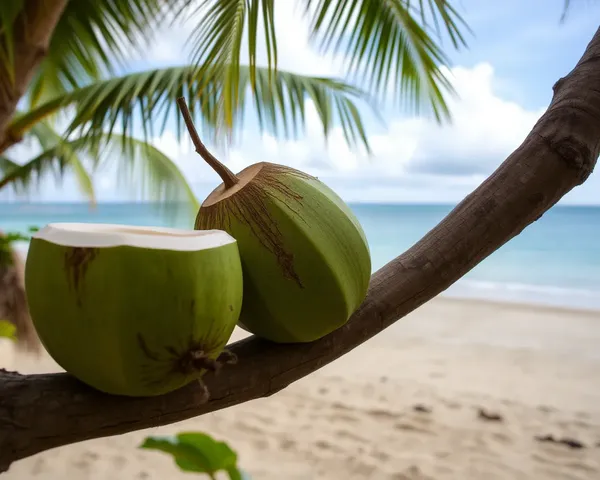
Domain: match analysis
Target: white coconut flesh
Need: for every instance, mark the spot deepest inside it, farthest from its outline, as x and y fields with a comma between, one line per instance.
x=113, y=235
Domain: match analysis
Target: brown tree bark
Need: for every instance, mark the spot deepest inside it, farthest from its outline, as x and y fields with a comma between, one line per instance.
x=32, y=33
x=40, y=412
x=13, y=301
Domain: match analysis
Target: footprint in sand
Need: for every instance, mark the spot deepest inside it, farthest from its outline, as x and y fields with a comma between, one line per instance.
x=264, y=420
x=380, y=456
x=349, y=435
x=340, y=406
x=245, y=427
x=482, y=414
x=452, y=405
x=557, y=474
x=545, y=409
x=441, y=454
x=85, y=461
x=343, y=418
x=325, y=445
x=38, y=466
x=287, y=444
x=421, y=408
x=412, y=473
x=501, y=438
x=119, y=461
x=382, y=414
x=582, y=467
x=408, y=427
x=260, y=444
x=581, y=424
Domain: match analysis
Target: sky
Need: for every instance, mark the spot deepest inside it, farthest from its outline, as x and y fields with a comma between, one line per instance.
x=516, y=52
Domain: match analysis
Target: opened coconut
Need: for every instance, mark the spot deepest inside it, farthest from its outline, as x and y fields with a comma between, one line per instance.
x=132, y=310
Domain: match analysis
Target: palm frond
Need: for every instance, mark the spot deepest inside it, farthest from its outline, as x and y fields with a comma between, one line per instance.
x=95, y=36
x=452, y=21
x=9, y=11
x=49, y=138
x=217, y=45
x=140, y=165
x=138, y=101
x=145, y=170
x=6, y=165
x=383, y=43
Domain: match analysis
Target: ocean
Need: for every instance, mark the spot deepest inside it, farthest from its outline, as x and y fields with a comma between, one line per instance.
x=555, y=261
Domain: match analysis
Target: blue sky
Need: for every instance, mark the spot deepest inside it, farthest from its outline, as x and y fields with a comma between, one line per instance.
x=504, y=80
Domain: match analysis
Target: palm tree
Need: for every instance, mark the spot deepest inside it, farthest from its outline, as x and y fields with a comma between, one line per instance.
x=81, y=80
x=13, y=302
x=84, y=108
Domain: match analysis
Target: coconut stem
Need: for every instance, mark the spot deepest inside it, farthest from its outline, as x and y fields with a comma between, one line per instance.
x=198, y=360
x=229, y=178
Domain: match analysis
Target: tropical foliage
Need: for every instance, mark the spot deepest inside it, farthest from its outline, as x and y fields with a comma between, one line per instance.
x=85, y=107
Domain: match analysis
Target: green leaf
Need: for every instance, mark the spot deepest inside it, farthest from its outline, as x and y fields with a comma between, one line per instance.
x=8, y=330
x=9, y=11
x=217, y=45
x=141, y=100
x=94, y=38
x=197, y=452
x=6, y=246
x=143, y=168
x=49, y=139
x=386, y=47
x=6, y=165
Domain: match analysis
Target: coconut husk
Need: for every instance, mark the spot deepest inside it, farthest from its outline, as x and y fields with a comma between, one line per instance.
x=13, y=303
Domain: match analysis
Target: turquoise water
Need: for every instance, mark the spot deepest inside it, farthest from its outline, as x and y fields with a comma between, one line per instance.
x=555, y=261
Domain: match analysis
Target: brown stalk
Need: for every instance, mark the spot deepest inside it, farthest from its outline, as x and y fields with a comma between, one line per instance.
x=228, y=177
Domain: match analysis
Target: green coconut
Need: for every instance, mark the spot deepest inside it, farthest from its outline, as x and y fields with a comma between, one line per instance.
x=129, y=310
x=305, y=257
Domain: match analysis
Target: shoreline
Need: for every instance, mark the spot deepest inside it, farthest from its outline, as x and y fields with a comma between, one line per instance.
x=518, y=304
x=463, y=285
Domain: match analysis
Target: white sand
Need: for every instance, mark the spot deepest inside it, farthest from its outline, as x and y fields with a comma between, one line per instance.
x=355, y=419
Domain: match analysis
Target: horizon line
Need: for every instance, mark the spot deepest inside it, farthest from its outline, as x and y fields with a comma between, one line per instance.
x=355, y=202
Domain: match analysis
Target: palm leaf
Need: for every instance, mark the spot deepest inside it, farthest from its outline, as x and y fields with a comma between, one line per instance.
x=9, y=11
x=217, y=43
x=140, y=165
x=451, y=19
x=48, y=139
x=137, y=101
x=95, y=37
x=6, y=165
x=143, y=166
x=384, y=44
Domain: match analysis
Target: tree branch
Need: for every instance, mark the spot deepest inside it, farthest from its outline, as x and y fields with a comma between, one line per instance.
x=40, y=412
x=33, y=31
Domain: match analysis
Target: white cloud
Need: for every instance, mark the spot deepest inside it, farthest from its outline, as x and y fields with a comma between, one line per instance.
x=485, y=129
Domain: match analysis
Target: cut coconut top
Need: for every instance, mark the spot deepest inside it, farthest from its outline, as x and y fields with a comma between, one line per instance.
x=113, y=235
x=245, y=176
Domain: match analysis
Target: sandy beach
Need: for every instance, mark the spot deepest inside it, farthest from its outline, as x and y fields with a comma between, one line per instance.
x=457, y=390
